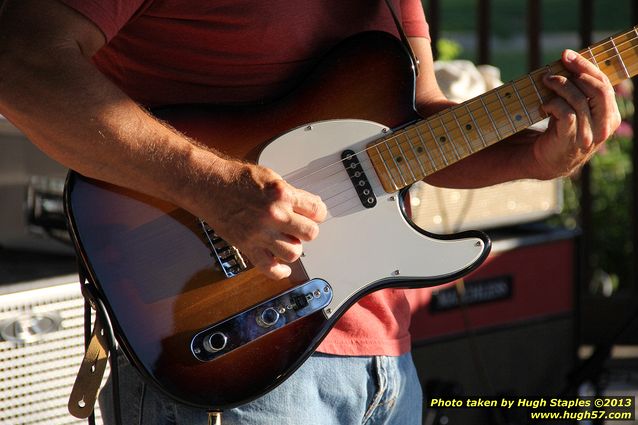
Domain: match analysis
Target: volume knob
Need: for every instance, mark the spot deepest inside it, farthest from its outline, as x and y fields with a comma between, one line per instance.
x=215, y=342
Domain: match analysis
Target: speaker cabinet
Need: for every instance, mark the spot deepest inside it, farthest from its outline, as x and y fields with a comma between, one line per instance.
x=514, y=336
x=41, y=348
x=442, y=210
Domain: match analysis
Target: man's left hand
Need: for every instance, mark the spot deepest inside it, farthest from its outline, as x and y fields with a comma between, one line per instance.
x=583, y=115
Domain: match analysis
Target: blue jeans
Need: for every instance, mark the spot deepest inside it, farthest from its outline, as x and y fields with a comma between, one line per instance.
x=326, y=390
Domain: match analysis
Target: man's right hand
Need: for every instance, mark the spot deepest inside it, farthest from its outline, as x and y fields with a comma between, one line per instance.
x=255, y=210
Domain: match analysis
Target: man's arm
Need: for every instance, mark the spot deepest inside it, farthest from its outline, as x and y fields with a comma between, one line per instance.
x=52, y=92
x=583, y=115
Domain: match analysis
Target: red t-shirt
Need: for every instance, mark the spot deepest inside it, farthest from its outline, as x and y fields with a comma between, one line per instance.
x=240, y=51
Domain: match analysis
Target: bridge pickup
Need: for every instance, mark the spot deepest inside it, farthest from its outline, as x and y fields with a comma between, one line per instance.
x=358, y=178
x=260, y=320
x=228, y=257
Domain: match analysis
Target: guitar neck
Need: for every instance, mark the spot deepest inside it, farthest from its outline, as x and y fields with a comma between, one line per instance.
x=420, y=149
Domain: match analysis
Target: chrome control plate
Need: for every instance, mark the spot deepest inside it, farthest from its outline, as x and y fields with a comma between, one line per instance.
x=261, y=320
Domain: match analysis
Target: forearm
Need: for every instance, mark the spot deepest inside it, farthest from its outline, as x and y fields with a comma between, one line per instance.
x=507, y=160
x=510, y=159
x=78, y=117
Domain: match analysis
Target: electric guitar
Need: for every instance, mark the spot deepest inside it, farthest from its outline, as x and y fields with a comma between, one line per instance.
x=193, y=315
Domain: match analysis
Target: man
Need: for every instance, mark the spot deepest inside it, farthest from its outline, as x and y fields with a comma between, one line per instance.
x=73, y=71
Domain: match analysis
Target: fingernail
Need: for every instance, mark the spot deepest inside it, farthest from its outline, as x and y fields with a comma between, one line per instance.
x=570, y=55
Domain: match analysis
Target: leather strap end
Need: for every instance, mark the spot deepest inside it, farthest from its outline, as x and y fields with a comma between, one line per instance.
x=89, y=378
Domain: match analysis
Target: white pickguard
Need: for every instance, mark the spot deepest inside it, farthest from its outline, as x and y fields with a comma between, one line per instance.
x=356, y=246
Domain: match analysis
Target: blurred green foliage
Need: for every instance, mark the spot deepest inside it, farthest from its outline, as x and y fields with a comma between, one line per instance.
x=611, y=192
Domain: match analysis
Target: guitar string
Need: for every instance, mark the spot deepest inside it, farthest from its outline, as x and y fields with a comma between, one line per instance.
x=347, y=188
x=615, y=49
x=409, y=144
x=593, y=59
x=405, y=132
x=514, y=83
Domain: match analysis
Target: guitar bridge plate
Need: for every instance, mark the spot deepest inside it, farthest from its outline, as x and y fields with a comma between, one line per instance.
x=228, y=257
x=261, y=320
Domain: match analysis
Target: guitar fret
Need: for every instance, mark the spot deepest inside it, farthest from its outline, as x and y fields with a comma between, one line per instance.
x=407, y=161
x=425, y=148
x=522, y=104
x=487, y=112
x=498, y=96
x=405, y=182
x=467, y=141
x=593, y=57
x=476, y=126
x=436, y=142
x=449, y=139
x=619, y=57
x=538, y=94
x=386, y=167
x=414, y=152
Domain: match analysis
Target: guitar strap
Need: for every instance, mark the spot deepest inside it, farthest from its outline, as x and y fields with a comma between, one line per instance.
x=100, y=347
x=89, y=378
x=404, y=37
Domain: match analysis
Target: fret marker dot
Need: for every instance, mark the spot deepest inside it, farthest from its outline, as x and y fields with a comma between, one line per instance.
x=419, y=149
x=442, y=139
x=607, y=62
x=508, y=95
x=468, y=127
x=518, y=117
x=399, y=159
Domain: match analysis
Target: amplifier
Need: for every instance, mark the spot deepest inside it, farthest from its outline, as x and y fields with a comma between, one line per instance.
x=31, y=186
x=441, y=210
x=524, y=278
x=41, y=348
x=515, y=334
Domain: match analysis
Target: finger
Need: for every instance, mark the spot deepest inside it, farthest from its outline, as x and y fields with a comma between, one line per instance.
x=593, y=88
x=299, y=227
x=286, y=249
x=266, y=262
x=567, y=124
x=571, y=108
x=309, y=205
x=602, y=104
x=569, y=91
x=577, y=64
